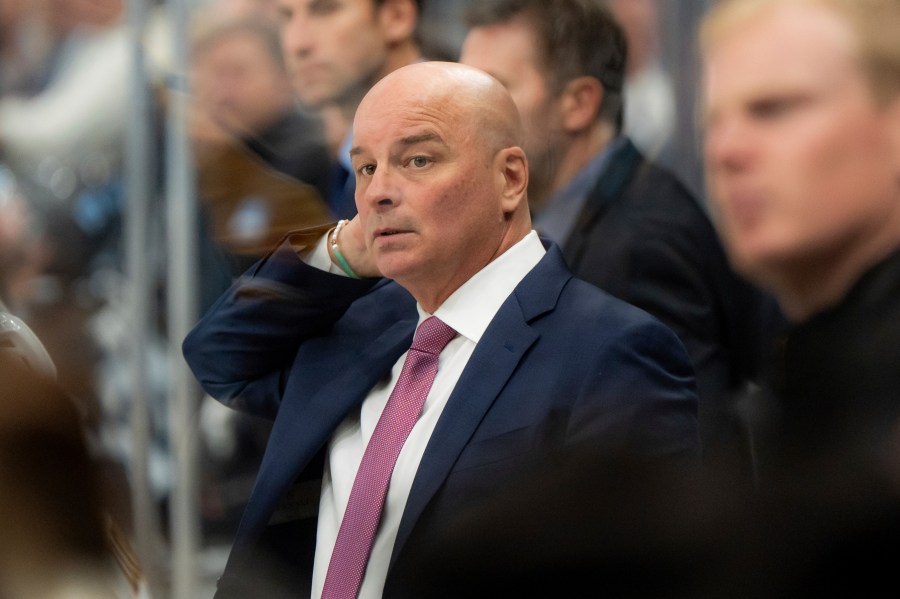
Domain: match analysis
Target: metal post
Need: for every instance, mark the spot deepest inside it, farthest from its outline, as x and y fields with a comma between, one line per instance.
x=139, y=179
x=181, y=219
x=680, y=33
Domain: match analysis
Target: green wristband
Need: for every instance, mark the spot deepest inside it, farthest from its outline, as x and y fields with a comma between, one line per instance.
x=342, y=262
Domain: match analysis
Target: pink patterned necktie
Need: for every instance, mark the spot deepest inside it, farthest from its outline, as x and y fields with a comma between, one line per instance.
x=357, y=532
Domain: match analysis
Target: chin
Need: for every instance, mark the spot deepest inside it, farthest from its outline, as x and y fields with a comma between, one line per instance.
x=754, y=271
x=746, y=255
x=310, y=97
x=768, y=268
x=392, y=268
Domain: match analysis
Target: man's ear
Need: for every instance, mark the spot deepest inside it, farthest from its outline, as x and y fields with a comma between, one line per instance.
x=893, y=127
x=512, y=178
x=397, y=19
x=580, y=103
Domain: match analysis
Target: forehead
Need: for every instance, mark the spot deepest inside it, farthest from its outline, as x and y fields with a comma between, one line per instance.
x=793, y=45
x=325, y=6
x=383, y=120
x=506, y=47
x=235, y=42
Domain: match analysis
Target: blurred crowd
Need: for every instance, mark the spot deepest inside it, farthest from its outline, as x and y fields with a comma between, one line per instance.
x=261, y=160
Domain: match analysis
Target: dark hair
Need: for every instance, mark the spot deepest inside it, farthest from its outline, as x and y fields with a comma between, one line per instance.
x=46, y=468
x=576, y=37
x=419, y=5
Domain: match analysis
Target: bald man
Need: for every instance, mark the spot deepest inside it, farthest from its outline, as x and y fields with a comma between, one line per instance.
x=316, y=336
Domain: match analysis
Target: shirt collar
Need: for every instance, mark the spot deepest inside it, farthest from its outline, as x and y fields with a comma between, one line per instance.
x=470, y=309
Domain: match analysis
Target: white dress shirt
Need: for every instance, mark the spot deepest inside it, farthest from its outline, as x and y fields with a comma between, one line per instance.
x=469, y=311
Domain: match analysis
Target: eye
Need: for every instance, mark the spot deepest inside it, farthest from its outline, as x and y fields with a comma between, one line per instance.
x=419, y=161
x=285, y=14
x=775, y=107
x=367, y=170
x=323, y=7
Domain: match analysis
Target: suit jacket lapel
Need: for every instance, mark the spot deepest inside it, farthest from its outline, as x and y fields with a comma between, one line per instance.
x=492, y=364
x=609, y=187
x=303, y=427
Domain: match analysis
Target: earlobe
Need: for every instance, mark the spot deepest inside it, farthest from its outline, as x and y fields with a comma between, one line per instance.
x=581, y=101
x=397, y=19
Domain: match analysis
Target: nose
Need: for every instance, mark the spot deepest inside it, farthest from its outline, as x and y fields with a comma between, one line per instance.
x=728, y=144
x=297, y=36
x=379, y=191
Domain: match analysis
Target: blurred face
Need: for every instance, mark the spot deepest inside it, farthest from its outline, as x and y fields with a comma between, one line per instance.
x=265, y=9
x=508, y=52
x=240, y=84
x=66, y=15
x=639, y=20
x=335, y=49
x=11, y=11
x=427, y=190
x=798, y=155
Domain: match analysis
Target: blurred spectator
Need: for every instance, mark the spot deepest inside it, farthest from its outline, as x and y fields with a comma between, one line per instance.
x=20, y=252
x=802, y=132
x=59, y=539
x=335, y=51
x=262, y=162
x=266, y=10
x=625, y=224
x=63, y=142
x=26, y=46
x=649, y=93
x=63, y=138
x=69, y=133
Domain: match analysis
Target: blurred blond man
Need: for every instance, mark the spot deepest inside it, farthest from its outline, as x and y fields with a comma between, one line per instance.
x=802, y=128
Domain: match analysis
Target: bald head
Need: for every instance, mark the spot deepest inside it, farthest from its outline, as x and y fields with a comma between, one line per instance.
x=441, y=178
x=472, y=98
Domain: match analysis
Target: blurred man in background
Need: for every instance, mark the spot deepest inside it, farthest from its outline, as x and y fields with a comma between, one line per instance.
x=249, y=132
x=802, y=127
x=335, y=51
x=624, y=224
x=649, y=90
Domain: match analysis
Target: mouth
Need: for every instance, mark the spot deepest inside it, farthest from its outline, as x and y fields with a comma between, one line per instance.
x=746, y=205
x=309, y=71
x=388, y=232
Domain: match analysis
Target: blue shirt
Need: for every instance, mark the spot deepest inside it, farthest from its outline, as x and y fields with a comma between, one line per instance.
x=558, y=218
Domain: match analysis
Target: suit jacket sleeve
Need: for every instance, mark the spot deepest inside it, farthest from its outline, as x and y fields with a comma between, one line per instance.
x=242, y=349
x=643, y=397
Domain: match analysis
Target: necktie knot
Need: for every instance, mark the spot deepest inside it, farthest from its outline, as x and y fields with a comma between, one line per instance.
x=432, y=336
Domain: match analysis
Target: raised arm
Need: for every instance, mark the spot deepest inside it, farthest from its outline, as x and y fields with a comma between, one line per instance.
x=241, y=349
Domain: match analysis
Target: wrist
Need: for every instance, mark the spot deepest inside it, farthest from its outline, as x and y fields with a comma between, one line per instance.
x=335, y=251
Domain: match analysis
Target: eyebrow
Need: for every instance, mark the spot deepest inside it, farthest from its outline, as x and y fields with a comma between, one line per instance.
x=422, y=137
x=407, y=141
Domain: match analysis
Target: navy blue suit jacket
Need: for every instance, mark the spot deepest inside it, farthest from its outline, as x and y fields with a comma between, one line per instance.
x=561, y=365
